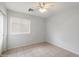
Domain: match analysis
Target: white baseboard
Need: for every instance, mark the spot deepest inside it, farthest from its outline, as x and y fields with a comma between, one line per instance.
x=64, y=48
x=24, y=45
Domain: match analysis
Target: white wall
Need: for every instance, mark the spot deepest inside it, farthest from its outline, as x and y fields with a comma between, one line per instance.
x=63, y=29
x=36, y=36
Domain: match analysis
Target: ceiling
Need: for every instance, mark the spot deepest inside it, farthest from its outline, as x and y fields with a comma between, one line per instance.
x=23, y=6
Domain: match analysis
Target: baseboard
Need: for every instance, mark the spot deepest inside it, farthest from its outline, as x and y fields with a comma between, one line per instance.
x=64, y=48
x=24, y=46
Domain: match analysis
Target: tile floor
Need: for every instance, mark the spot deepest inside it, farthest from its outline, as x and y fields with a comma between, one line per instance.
x=39, y=50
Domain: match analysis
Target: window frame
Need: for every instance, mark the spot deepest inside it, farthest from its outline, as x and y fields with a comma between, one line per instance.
x=11, y=31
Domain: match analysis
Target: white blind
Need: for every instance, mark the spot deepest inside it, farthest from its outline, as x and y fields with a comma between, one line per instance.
x=19, y=25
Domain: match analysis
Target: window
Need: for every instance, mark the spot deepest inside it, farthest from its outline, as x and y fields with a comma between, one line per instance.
x=1, y=32
x=19, y=25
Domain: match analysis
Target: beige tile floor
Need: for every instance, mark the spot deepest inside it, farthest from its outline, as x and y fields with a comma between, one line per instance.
x=39, y=50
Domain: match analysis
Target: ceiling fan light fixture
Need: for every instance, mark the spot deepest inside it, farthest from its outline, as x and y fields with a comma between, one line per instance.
x=42, y=10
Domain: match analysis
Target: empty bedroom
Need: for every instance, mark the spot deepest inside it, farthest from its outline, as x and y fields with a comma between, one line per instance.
x=39, y=29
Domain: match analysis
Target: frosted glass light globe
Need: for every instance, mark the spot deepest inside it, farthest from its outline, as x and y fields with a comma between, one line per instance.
x=42, y=10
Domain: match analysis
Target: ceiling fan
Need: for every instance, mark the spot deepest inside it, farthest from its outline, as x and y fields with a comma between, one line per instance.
x=41, y=6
